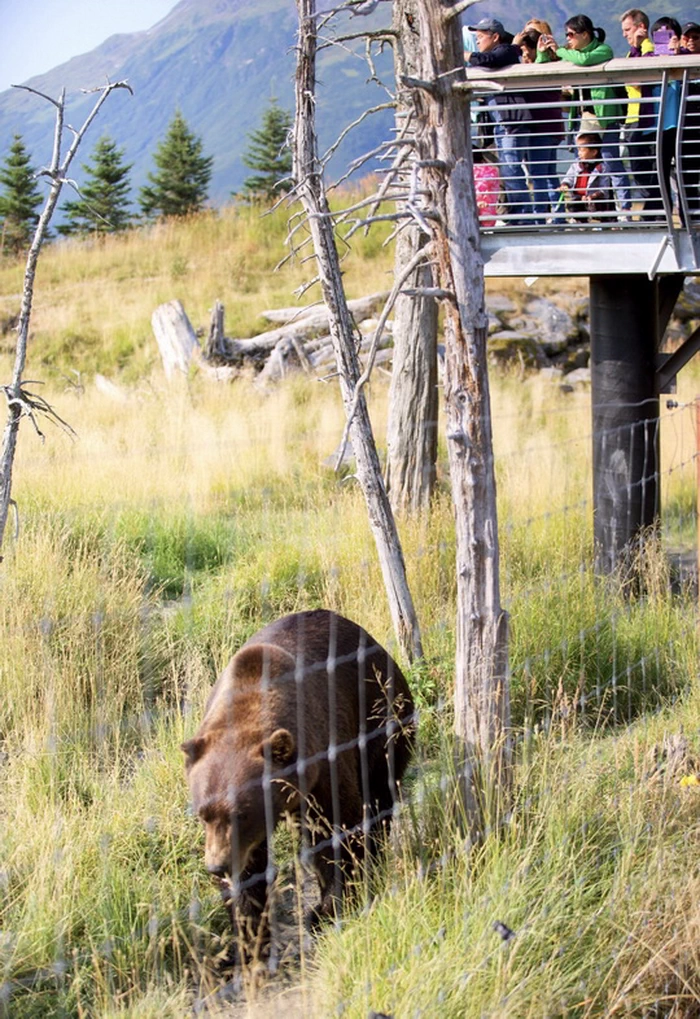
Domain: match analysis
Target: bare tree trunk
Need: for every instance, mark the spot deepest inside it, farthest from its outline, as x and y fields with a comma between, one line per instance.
x=19, y=401
x=310, y=190
x=413, y=395
x=482, y=704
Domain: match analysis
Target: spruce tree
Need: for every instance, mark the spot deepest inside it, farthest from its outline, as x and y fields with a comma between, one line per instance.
x=180, y=185
x=269, y=154
x=103, y=206
x=18, y=200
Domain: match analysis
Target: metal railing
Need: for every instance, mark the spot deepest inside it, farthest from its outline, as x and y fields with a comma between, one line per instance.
x=642, y=171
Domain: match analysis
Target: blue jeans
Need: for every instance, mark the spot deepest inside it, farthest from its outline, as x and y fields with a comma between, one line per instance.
x=541, y=162
x=619, y=178
x=641, y=147
x=512, y=146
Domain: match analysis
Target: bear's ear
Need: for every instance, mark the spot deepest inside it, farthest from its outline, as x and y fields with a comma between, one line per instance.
x=193, y=750
x=281, y=744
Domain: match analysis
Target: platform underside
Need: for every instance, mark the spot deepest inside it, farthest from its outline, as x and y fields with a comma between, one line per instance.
x=588, y=252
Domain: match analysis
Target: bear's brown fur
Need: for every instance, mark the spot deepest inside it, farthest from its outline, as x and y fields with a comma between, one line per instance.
x=311, y=717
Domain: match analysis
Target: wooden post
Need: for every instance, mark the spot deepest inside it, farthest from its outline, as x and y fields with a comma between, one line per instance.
x=310, y=190
x=482, y=703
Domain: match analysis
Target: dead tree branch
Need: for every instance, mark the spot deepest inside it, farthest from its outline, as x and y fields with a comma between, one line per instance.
x=346, y=131
x=418, y=258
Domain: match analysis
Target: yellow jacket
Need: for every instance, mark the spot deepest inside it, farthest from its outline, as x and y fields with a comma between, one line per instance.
x=634, y=92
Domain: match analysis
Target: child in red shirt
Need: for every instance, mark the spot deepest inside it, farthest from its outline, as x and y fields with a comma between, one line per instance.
x=586, y=184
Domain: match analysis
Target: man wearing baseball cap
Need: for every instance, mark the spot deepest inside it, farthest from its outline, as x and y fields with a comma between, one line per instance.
x=494, y=45
x=510, y=115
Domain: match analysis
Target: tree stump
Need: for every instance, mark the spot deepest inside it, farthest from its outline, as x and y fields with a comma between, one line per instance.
x=175, y=337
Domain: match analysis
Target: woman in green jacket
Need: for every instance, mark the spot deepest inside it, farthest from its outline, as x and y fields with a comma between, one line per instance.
x=586, y=47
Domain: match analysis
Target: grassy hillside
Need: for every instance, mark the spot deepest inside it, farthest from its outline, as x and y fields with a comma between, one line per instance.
x=94, y=299
x=184, y=517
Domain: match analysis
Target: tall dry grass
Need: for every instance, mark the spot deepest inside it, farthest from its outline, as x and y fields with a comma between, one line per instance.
x=183, y=518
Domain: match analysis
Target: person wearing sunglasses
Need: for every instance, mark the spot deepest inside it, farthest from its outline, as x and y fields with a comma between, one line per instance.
x=596, y=109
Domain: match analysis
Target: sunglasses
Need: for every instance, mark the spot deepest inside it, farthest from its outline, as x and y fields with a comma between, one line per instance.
x=570, y=35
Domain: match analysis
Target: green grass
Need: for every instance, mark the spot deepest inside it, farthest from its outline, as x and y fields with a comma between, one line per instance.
x=183, y=519
x=592, y=873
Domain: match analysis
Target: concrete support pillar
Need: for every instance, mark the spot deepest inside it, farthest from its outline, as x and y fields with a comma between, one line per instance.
x=624, y=315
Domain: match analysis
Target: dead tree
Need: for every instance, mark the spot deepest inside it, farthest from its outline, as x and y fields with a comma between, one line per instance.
x=482, y=704
x=20, y=401
x=413, y=395
x=310, y=189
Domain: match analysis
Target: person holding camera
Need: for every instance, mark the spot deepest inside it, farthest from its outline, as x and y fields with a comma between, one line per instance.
x=596, y=110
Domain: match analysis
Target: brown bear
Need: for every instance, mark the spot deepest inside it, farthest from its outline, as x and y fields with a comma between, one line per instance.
x=312, y=717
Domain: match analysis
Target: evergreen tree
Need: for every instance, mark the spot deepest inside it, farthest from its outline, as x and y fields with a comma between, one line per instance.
x=18, y=200
x=270, y=155
x=104, y=203
x=181, y=183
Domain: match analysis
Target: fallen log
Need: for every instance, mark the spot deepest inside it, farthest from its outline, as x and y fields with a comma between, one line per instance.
x=304, y=329
x=360, y=308
x=287, y=357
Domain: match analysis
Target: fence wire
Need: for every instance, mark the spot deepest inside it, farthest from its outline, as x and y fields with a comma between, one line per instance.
x=116, y=895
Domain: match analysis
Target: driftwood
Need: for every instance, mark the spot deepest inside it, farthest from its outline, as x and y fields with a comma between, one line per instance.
x=178, y=345
x=360, y=308
x=288, y=356
x=293, y=347
x=175, y=337
x=304, y=327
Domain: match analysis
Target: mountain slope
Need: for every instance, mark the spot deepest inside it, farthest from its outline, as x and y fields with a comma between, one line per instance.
x=219, y=62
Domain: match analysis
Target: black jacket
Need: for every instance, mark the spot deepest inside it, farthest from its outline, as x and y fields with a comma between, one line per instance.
x=502, y=55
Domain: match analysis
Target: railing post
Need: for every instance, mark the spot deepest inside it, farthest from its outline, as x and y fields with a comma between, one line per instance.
x=697, y=475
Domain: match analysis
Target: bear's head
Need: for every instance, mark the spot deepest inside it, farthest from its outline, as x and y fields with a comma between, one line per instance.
x=230, y=783
x=241, y=764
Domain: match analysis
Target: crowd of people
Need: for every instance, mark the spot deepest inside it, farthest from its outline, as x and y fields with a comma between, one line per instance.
x=613, y=130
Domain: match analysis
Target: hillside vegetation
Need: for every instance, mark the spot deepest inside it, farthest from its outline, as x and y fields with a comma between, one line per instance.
x=181, y=519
